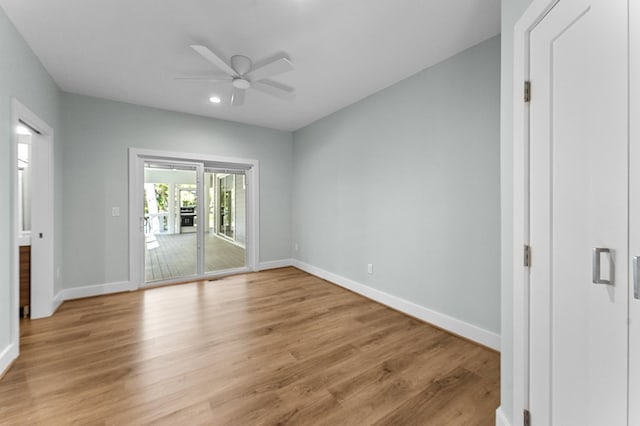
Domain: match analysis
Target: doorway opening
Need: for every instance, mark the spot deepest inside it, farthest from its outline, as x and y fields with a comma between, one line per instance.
x=33, y=213
x=24, y=134
x=32, y=272
x=197, y=216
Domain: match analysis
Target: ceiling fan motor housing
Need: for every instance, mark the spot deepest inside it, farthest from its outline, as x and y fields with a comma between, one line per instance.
x=240, y=64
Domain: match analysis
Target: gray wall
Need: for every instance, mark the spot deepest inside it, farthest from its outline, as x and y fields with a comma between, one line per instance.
x=23, y=77
x=97, y=134
x=408, y=179
x=511, y=12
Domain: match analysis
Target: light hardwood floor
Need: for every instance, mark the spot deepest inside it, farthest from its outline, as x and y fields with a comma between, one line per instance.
x=274, y=347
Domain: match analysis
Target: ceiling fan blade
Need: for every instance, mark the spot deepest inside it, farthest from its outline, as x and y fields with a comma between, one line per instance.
x=237, y=97
x=278, y=66
x=221, y=77
x=275, y=89
x=213, y=58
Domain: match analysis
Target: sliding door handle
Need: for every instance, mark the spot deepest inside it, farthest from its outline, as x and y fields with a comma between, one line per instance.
x=596, y=269
x=636, y=290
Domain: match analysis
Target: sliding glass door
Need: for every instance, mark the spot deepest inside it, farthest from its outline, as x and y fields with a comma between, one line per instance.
x=170, y=221
x=224, y=238
x=194, y=220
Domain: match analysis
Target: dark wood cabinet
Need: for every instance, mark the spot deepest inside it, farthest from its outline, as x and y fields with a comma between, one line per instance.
x=25, y=280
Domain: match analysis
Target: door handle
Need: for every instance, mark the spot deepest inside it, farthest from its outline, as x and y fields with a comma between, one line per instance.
x=636, y=290
x=596, y=269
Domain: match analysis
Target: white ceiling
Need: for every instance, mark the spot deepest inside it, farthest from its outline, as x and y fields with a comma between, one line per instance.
x=342, y=50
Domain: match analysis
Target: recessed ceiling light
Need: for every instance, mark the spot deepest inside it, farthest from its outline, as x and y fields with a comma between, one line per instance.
x=22, y=130
x=214, y=100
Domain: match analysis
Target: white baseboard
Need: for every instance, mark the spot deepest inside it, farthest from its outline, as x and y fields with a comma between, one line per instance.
x=501, y=419
x=273, y=264
x=57, y=301
x=95, y=290
x=446, y=322
x=7, y=356
x=118, y=287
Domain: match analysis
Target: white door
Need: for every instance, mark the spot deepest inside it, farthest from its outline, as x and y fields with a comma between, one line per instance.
x=578, y=202
x=634, y=212
x=42, y=265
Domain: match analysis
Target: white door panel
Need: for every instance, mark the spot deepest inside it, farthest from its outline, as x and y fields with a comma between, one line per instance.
x=42, y=265
x=634, y=209
x=578, y=198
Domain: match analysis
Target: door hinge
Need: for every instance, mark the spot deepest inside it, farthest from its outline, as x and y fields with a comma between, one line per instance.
x=527, y=418
x=527, y=255
x=527, y=91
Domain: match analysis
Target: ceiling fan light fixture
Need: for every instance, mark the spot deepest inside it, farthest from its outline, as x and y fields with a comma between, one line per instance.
x=243, y=76
x=214, y=100
x=241, y=83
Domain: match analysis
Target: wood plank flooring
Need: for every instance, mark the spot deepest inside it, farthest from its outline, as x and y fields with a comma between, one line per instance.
x=276, y=347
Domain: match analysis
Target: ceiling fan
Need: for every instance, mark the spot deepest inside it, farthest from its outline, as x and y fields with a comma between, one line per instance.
x=243, y=76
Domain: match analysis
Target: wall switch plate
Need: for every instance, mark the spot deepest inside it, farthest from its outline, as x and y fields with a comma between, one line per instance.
x=370, y=268
x=115, y=211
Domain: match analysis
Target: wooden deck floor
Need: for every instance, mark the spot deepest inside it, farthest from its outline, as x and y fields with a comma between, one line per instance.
x=274, y=347
x=174, y=256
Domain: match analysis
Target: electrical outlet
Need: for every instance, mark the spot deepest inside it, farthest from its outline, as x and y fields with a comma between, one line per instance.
x=370, y=268
x=115, y=211
x=295, y=247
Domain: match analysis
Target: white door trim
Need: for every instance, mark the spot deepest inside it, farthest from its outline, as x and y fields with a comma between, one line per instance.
x=634, y=206
x=41, y=288
x=137, y=157
x=520, y=313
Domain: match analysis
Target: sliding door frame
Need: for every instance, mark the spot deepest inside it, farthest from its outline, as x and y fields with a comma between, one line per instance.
x=137, y=158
